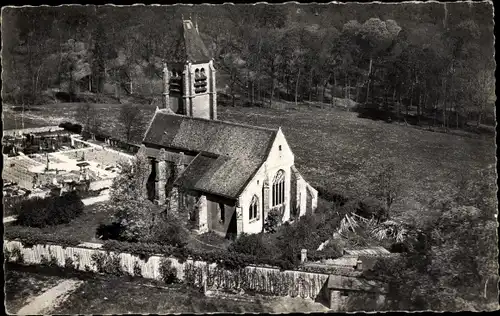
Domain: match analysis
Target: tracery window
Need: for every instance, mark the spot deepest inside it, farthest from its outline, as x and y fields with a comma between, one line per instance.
x=278, y=191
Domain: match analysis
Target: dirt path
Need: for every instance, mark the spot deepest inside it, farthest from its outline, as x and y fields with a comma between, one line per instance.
x=50, y=298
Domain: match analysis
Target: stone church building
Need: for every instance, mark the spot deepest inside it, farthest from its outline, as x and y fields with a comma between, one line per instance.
x=225, y=177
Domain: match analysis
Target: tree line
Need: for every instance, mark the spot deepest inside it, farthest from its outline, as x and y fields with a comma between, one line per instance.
x=432, y=63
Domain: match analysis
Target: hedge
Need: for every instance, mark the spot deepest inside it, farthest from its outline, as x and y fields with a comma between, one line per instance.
x=53, y=210
x=35, y=238
x=228, y=259
x=75, y=128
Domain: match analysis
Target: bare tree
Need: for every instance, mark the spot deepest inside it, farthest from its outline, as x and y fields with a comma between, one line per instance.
x=88, y=115
x=387, y=184
x=130, y=115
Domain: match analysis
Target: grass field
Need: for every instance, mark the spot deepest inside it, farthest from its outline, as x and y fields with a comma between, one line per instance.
x=104, y=294
x=117, y=296
x=339, y=151
x=21, y=287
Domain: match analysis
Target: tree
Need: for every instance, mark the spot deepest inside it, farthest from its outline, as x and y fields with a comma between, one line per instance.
x=136, y=219
x=134, y=212
x=131, y=183
x=130, y=116
x=88, y=115
x=375, y=36
x=449, y=264
x=387, y=184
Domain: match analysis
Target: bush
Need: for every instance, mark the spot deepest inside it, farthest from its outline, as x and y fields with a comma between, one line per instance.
x=69, y=263
x=331, y=195
x=272, y=221
x=137, y=269
x=52, y=262
x=253, y=245
x=367, y=208
x=54, y=210
x=170, y=232
x=107, y=263
x=109, y=231
x=11, y=205
x=74, y=128
x=167, y=272
x=331, y=251
x=136, y=217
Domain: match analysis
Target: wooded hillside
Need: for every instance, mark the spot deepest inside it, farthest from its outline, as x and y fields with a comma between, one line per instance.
x=431, y=59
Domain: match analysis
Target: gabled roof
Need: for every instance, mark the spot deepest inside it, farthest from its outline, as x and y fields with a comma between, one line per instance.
x=228, y=154
x=187, y=45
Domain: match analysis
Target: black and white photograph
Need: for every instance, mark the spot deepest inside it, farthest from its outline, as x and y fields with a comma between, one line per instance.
x=267, y=158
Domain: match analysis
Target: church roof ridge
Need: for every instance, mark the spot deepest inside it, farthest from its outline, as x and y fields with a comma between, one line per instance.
x=269, y=129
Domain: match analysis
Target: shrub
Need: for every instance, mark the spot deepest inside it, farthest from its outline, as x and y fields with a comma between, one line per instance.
x=272, y=221
x=38, y=212
x=137, y=269
x=372, y=208
x=98, y=260
x=109, y=231
x=331, y=251
x=69, y=263
x=252, y=244
x=18, y=255
x=11, y=205
x=136, y=219
x=167, y=272
x=170, y=232
x=331, y=195
x=74, y=128
x=367, y=208
x=113, y=265
x=106, y=263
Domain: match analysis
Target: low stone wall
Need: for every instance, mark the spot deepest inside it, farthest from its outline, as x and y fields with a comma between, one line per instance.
x=33, y=130
x=268, y=281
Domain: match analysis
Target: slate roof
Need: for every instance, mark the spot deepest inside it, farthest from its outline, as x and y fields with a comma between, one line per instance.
x=187, y=45
x=228, y=154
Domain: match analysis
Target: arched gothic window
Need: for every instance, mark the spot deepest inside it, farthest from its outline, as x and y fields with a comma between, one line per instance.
x=278, y=188
x=253, y=210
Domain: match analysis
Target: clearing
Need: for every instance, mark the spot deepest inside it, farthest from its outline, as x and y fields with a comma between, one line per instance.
x=339, y=151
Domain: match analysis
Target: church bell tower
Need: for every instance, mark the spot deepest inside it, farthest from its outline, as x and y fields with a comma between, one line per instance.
x=189, y=76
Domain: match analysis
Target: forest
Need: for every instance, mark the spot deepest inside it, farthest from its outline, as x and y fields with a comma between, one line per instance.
x=427, y=63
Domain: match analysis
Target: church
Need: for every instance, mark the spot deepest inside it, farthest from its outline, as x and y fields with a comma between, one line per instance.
x=222, y=176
